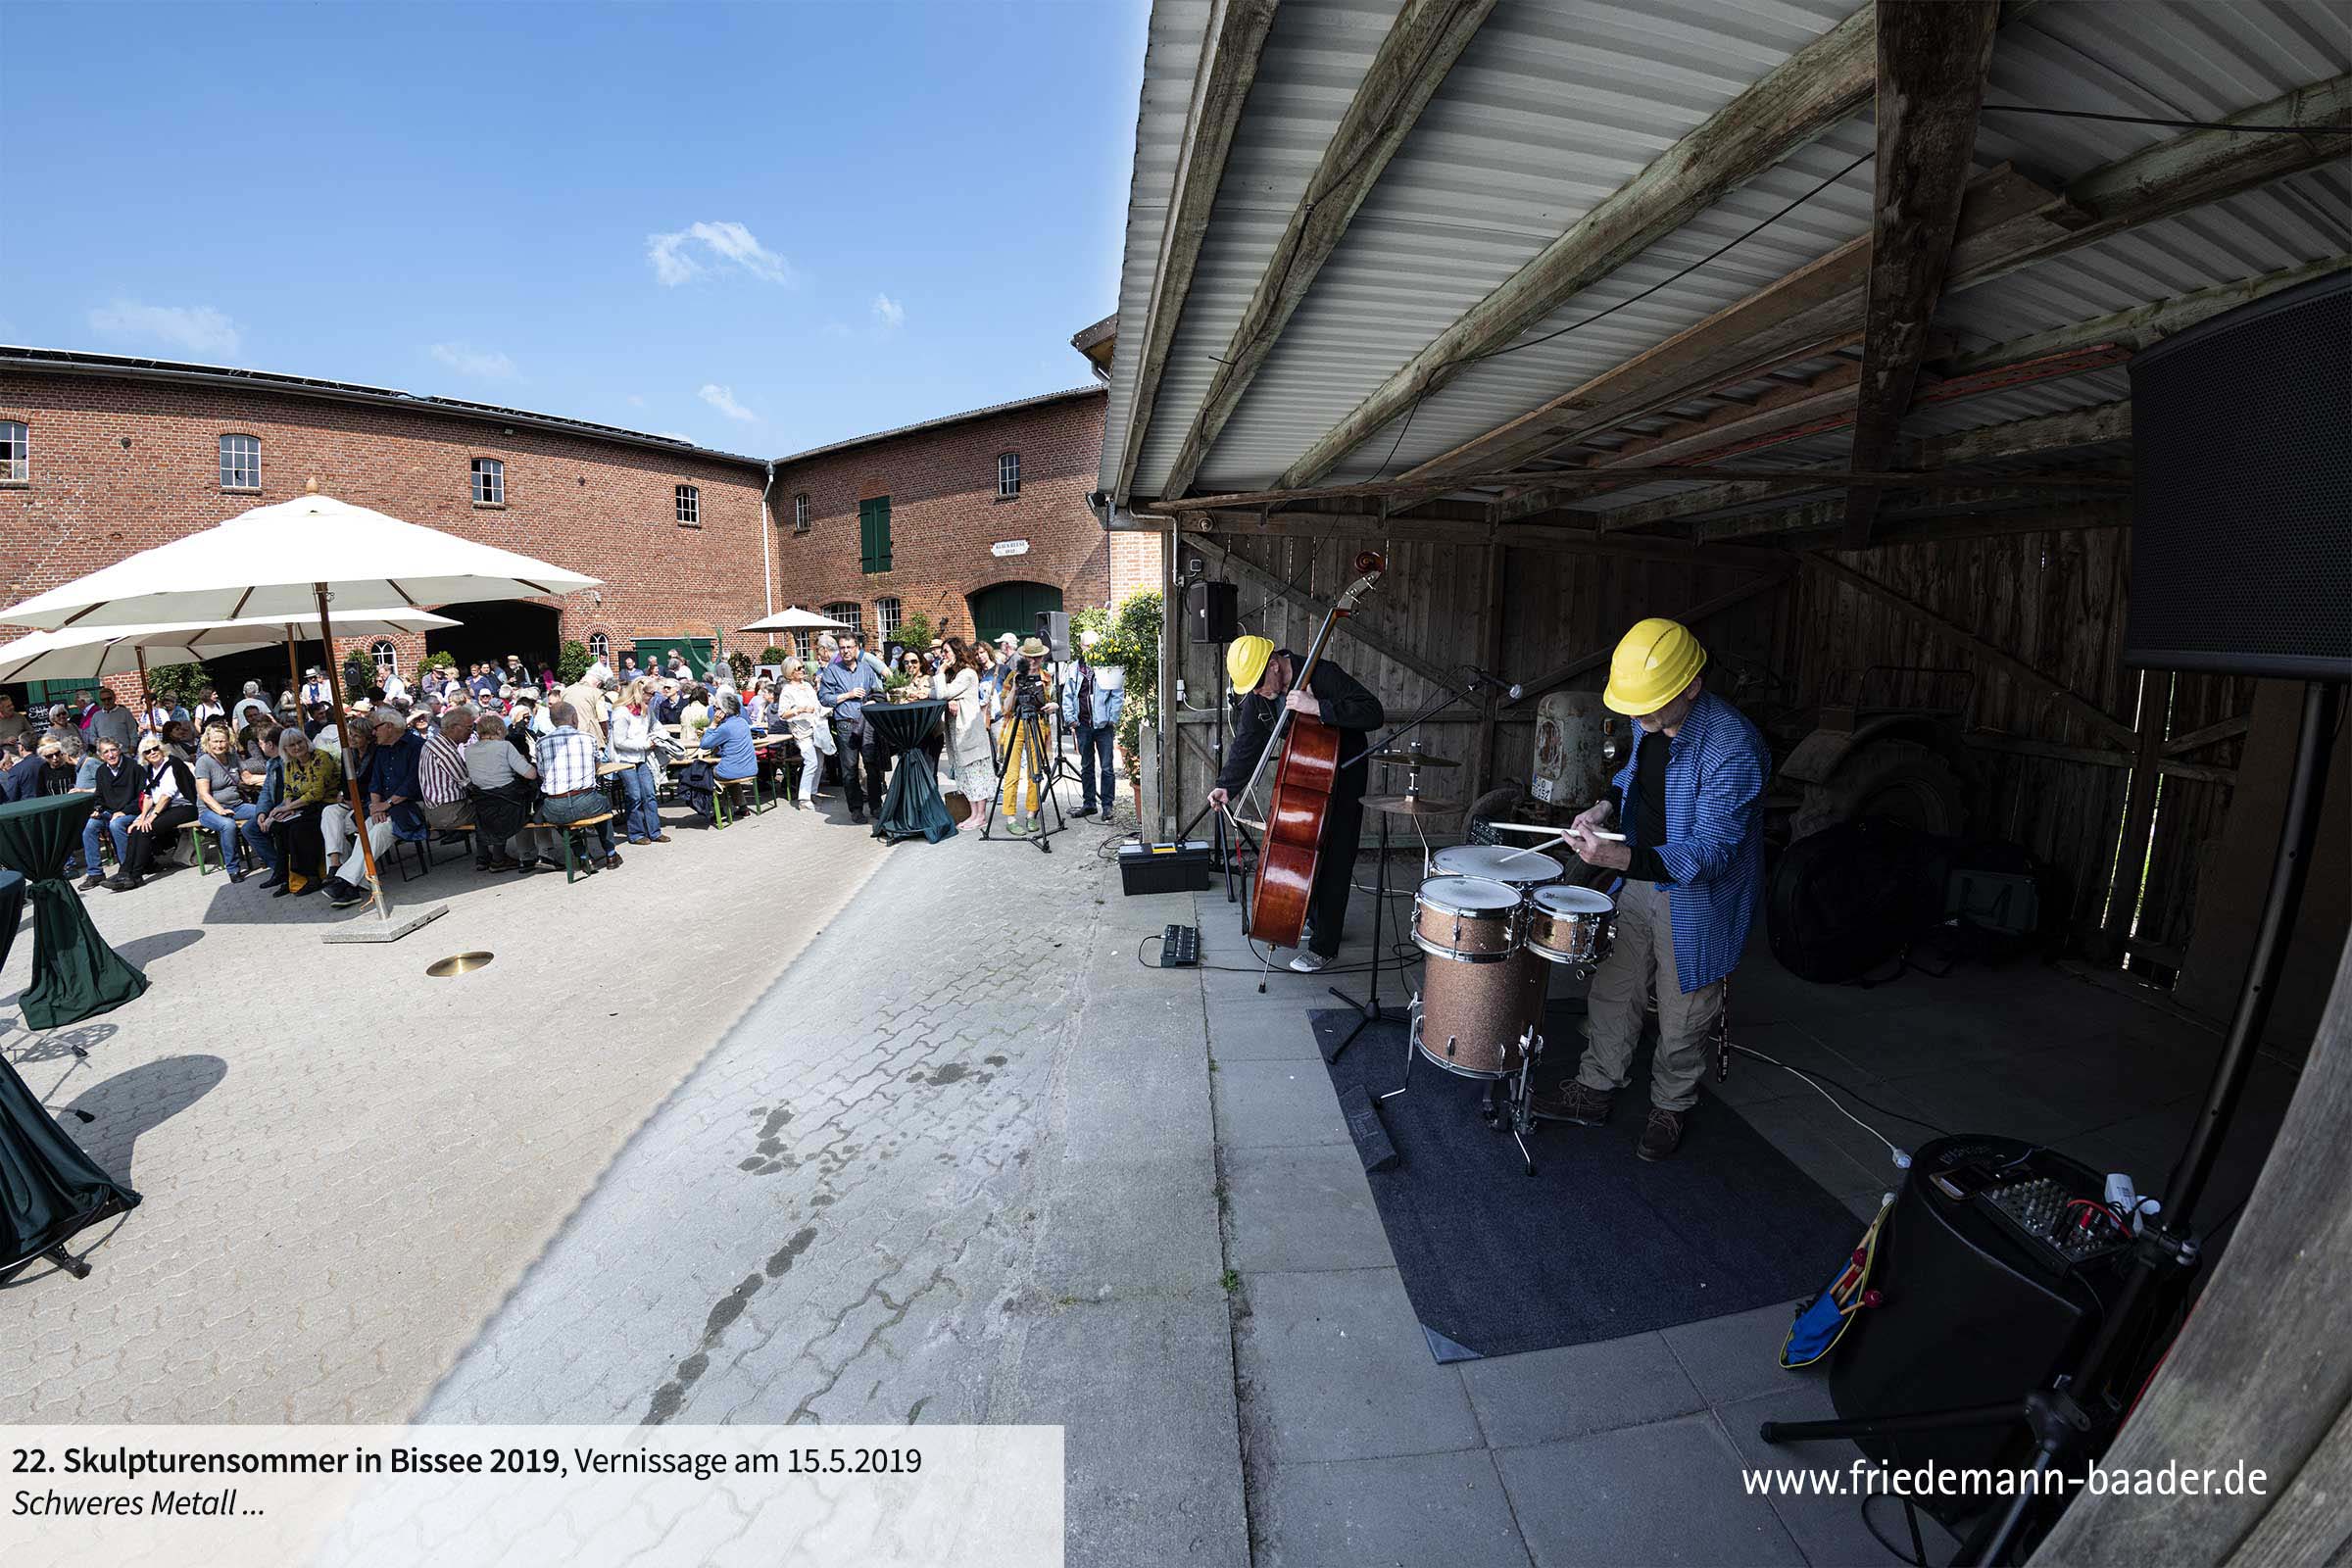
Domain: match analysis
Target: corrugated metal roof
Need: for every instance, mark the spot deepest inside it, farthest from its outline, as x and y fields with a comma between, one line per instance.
x=1559, y=102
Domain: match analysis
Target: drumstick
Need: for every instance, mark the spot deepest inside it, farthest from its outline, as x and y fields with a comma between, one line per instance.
x=1539, y=828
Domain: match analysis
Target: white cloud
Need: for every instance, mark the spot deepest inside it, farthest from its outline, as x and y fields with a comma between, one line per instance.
x=889, y=312
x=722, y=398
x=467, y=360
x=676, y=435
x=197, y=329
x=694, y=250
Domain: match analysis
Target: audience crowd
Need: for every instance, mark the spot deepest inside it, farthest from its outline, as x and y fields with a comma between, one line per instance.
x=514, y=759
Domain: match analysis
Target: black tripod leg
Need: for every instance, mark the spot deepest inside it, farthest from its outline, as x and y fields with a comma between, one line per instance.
x=1368, y=1011
x=1889, y=1426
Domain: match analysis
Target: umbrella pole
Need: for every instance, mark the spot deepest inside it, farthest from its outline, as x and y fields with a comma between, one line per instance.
x=351, y=779
x=293, y=674
x=146, y=697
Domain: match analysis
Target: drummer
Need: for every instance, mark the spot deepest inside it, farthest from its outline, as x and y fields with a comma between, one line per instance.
x=1264, y=675
x=1691, y=800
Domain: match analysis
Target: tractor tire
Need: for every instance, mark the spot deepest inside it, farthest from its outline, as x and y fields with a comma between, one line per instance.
x=1500, y=804
x=1902, y=781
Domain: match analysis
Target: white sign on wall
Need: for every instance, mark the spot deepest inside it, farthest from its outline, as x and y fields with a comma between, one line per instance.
x=1010, y=547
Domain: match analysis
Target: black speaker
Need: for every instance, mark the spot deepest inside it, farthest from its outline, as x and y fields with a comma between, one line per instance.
x=2242, y=453
x=1972, y=1312
x=1212, y=611
x=1053, y=630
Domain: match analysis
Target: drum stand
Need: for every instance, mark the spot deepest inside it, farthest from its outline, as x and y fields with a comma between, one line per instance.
x=1369, y=1011
x=1518, y=1110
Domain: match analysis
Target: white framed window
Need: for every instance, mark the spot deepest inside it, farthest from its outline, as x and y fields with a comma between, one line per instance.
x=887, y=615
x=1009, y=473
x=599, y=647
x=386, y=656
x=489, y=482
x=16, y=461
x=848, y=615
x=804, y=643
x=240, y=462
x=690, y=506
x=800, y=510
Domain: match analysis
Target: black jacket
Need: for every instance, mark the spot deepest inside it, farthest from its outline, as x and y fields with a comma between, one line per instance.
x=1346, y=707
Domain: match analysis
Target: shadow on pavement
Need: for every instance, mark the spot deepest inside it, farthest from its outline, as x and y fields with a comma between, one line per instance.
x=131, y=1103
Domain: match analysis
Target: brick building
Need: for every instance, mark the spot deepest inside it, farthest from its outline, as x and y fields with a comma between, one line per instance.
x=974, y=520
x=103, y=456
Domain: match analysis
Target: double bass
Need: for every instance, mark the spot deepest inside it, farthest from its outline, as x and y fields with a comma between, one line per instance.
x=1304, y=776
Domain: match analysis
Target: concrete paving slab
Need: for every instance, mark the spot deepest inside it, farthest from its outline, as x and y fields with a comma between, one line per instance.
x=1427, y=1508
x=1664, y=1494
x=1736, y=1357
x=1301, y=1208
x=1333, y=1366
x=1829, y=1530
x=1548, y=1395
x=1274, y=1104
x=1261, y=1029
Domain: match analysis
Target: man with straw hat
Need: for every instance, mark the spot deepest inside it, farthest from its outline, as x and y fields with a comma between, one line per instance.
x=1693, y=857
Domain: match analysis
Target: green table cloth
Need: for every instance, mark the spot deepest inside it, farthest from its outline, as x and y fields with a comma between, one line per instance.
x=76, y=975
x=48, y=1187
x=911, y=808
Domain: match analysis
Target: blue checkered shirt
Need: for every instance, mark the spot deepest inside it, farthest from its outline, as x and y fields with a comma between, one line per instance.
x=566, y=761
x=1716, y=766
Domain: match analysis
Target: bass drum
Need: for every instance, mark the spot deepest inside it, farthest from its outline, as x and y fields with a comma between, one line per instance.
x=1469, y=1017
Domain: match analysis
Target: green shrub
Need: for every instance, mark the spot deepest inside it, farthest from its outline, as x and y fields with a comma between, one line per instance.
x=1130, y=633
x=571, y=661
x=741, y=664
x=443, y=661
x=176, y=684
x=772, y=655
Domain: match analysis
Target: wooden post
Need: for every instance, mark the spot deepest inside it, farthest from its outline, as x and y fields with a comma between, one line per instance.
x=146, y=699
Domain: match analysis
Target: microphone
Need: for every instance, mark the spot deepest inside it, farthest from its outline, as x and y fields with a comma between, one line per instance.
x=1511, y=690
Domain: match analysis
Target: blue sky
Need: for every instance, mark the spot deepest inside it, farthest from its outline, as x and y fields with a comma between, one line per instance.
x=762, y=226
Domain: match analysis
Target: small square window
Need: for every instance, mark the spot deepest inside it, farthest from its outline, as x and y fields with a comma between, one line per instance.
x=886, y=617
x=16, y=464
x=690, y=506
x=489, y=482
x=848, y=615
x=240, y=462
x=800, y=512
x=1008, y=475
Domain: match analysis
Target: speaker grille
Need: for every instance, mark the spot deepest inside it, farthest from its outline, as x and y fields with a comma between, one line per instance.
x=2241, y=540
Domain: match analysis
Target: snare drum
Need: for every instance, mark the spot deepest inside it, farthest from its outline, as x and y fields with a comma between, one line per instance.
x=1570, y=924
x=1467, y=919
x=1519, y=868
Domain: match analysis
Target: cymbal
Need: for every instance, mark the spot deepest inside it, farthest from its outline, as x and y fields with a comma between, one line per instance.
x=1414, y=760
x=1410, y=805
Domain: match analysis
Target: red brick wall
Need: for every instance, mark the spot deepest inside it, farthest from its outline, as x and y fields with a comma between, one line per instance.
x=945, y=515
x=599, y=507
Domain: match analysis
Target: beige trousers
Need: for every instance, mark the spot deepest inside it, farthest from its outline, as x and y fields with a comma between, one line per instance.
x=1645, y=952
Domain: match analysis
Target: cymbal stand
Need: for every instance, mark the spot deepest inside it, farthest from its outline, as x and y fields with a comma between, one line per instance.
x=1369, y=1011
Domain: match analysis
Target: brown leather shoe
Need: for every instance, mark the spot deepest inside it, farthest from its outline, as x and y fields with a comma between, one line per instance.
x=1576, y=1103
x=1662, y=1135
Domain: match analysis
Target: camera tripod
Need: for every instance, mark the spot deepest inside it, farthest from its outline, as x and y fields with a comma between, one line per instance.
x=1032, y=742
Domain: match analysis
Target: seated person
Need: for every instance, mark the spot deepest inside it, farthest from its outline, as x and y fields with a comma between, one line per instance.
x=114, y=782
x=20, y=768
x=167, y=804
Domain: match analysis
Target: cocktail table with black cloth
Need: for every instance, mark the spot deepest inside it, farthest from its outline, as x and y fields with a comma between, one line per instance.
x=48, y=1187
x=76, y=975
x=911, y=809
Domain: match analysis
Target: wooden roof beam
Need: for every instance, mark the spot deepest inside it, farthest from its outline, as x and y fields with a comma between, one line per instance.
x=1422, y=45
x=1933, y=55
x=2005, y=222
x=2052, y=432
x=1235, y=39
x=1808, y=93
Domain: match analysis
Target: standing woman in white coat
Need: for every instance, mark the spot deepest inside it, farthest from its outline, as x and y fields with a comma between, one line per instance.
x=968, y=755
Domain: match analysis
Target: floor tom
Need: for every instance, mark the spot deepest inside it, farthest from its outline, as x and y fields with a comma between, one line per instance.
x=1470, y=1019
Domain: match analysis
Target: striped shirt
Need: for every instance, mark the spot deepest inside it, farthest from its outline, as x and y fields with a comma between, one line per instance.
x=1713, y=849
x=441, y=769
x=566, y=763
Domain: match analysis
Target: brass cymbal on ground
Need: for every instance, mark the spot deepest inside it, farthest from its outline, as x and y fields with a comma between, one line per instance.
x=1413, y=760
x=1410, y=805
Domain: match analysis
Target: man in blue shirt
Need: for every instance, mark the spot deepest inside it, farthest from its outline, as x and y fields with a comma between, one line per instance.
x=388, y=779
x=729, y=741
x=846, y=685
x=1693, y=857
x=1090, y=710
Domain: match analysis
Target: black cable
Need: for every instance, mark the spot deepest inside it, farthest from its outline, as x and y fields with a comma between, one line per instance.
x=2154, y=120
x=1857, y=1099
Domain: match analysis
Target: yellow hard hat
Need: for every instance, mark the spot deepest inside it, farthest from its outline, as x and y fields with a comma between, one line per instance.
x=1652, y=664
x=1246, y=659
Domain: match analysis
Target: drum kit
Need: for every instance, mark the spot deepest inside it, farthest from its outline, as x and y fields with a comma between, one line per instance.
x=1494, y=922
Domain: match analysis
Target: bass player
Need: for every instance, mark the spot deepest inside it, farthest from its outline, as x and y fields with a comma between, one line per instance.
x=1263, y=675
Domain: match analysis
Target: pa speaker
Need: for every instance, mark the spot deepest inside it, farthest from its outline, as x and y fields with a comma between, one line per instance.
x=1053, y=630
x=2242, y=453
x=1212, y=611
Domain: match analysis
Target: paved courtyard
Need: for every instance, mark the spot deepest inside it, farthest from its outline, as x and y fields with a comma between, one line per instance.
x=780, y=1126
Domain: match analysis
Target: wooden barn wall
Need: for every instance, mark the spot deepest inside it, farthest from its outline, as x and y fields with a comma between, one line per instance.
x=2056, y=601
x=1439, y=603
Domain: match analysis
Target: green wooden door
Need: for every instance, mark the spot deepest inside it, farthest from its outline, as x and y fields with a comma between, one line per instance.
x=1012, y=607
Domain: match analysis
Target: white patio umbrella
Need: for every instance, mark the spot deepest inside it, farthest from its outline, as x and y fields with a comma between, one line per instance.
x=291, y=558
x=797, y=620
x=93, y=653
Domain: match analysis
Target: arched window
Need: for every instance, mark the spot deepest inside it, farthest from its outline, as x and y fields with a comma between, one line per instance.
x=386, y=656
x=599, y=647
x=848, y=615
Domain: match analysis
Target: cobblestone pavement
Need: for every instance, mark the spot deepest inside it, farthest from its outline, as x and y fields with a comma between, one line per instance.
x=957, y=1166
x=345, y=1164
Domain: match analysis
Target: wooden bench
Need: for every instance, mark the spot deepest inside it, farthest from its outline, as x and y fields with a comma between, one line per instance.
x=567, y=830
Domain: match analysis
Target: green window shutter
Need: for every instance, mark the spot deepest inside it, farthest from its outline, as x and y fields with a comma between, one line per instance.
x=873, y=534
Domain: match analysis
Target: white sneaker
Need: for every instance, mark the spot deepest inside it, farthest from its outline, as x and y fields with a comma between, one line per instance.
x=1308, y=962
